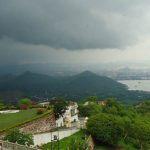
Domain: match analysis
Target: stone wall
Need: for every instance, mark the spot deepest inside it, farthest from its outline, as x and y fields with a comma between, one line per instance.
x=40, y=125
x=5, y=145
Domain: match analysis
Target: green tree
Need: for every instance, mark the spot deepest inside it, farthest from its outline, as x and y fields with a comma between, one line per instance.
x=112, y=106
x=105, y=128
x=89, y=110
x=15, y=135
x=126, y=127
x=25, y=103
x=59, y=106
x=91, y=99
x=140, y=131
x=143, y=107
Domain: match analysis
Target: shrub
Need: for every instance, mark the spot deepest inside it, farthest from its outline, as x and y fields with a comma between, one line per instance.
x=122, y=144
x=24, y=102
x=15, y=135
x=105, y=128
x=89, y=110
x=34, y=103
x=40, y=111
x=3, y=107
x=77, y=144
x=23, y=107
x=59, y=106
x=11, y=107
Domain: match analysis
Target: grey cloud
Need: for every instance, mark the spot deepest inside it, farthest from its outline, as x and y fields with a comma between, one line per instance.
x=13, y=52
x=73, y=24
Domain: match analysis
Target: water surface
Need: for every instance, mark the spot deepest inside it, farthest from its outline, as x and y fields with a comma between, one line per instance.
x=142, y=85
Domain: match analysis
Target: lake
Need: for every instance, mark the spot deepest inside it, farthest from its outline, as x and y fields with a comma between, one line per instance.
x=142, y=85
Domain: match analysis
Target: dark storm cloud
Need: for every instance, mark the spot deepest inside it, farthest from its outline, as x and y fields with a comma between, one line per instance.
x=72, y=24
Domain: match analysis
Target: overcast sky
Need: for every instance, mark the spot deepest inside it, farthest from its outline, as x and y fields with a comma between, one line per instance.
x=74, y=31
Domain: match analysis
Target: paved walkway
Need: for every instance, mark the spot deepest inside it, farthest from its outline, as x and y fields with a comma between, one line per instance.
x=44, y=138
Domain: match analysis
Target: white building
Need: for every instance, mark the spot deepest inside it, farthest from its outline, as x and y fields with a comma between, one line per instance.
x=71, y=115
x=44, y=104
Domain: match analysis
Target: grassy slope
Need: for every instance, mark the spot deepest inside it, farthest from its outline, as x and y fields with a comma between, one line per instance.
x=9, y=120
x=66, y=141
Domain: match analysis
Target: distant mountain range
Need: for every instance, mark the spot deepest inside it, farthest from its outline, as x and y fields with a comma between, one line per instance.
x=74, y=87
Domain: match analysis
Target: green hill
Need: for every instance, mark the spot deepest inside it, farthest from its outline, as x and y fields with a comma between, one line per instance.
x=70, y=87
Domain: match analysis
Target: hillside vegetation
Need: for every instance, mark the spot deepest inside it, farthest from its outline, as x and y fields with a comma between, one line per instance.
x=114, y=124
x=72, y=87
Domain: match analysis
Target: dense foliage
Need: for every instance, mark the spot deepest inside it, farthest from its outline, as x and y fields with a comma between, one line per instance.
x=24, y=103
x=15, y=135
x=89, y=107
x=59, y=107
x=143, y=107
x=74, y=87
x=89, y=110
x=117, y=124
x=76, y=141
x=105, y=128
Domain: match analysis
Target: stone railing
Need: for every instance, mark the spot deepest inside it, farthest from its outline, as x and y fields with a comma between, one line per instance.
x=5, y=145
